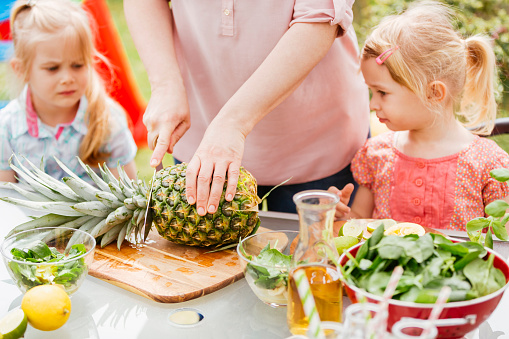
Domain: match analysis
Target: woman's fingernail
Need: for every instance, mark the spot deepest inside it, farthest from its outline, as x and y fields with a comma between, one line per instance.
x=190, y=200
x=229, y=197
x=201, y=211
x=153, y=162
x=212, y=209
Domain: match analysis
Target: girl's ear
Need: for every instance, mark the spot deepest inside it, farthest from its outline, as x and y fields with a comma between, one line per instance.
x=17, y=67
x=437, y=91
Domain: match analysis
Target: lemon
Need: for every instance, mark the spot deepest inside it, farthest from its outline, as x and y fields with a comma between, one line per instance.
x=405, y=228
x=47, y=307
x=344, y=242
x=373, y=225
x=352, y=228
x=13, y=325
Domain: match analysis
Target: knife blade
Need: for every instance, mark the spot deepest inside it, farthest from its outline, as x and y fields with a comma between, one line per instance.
x=463, y=235
x=148, y=216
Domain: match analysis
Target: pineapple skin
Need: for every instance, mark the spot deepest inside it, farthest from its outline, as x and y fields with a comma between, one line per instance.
x=178, y=221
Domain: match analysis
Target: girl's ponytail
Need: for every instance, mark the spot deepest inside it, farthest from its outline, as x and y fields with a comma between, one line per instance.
x=478, y=105
x=98, y=125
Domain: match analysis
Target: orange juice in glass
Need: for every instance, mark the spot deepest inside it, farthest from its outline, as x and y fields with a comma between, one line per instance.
x=327, y=292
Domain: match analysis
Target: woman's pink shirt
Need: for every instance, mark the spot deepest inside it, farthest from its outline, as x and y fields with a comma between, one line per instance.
x=443, y=193
x=313, y=133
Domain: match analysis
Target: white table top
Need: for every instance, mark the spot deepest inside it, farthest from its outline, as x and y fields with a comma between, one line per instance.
x=102, y=310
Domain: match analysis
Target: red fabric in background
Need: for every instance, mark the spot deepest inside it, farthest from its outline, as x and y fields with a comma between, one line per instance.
x=5, y=31
x=118, y=76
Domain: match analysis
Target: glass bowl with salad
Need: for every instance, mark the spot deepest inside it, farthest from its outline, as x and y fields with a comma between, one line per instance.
x=266, y=258
x=48, y=255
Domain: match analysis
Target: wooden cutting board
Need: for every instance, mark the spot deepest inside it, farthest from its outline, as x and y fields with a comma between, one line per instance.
x=166, y=272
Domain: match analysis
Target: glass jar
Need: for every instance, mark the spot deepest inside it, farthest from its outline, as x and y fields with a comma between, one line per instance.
x=316, y=254
x=316, y=220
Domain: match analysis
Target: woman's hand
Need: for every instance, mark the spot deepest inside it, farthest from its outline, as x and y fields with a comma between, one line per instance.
x=167, y=118
x=218, y=157
x=342, y=209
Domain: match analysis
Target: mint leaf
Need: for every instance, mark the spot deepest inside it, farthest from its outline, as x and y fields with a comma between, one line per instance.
x=477, y=224
x=500, y=174
x=496, y=208
x=270, y=268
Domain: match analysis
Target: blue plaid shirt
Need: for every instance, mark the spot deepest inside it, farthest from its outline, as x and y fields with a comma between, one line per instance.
x=62, y=141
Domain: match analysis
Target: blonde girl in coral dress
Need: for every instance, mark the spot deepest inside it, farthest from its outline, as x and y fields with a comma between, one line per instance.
x=430, y=87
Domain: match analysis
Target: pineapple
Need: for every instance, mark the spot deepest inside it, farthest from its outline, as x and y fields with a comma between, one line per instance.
x=115, y=209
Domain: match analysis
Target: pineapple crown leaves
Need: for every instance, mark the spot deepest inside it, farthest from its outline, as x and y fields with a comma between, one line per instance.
x=110, y=210
x=497, y=217
x=253, y=205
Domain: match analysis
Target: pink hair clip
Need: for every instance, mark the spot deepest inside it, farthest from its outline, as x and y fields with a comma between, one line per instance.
x=387, y=54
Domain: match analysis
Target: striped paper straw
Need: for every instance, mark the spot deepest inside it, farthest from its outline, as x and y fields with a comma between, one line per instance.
x=308, y=304
x=380, y=319
x=444, y=294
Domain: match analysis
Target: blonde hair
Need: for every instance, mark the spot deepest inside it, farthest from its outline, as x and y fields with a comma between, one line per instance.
x=39, y=21
x=429, y=50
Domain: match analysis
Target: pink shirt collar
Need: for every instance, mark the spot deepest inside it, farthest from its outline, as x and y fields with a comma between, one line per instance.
x=32, y=118
x=33, y=128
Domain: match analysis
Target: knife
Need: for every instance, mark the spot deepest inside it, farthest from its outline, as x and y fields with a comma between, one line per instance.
x=148, y=216
x=464, y=235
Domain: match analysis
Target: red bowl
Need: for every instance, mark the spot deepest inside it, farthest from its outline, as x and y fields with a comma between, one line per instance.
x=460, y=317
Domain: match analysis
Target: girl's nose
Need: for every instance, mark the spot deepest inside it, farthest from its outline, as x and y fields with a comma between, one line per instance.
x=374, y=104
x=67, y=77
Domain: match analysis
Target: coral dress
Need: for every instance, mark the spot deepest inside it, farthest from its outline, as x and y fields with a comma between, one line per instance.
x=443, y=193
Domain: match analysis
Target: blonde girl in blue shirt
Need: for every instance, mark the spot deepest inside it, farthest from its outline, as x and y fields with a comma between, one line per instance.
x=63, y=110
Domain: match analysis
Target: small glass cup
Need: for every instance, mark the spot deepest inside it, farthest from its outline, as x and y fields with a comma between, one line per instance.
x=359, y=321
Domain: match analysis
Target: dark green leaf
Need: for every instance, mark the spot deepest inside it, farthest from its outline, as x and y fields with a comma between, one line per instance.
x=475, y=247
x=477, y=272
x=274, y=270
x=499, y=230
x=18, y=254
x=466, y=260
x=489, y=240
x=376, y=236
x=41, y=250
x=458, y=283
x=440, y=239
x=362, y=252
x=455, y=248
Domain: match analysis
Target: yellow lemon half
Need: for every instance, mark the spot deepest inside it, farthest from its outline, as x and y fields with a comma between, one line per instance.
x=47, y=307
x=405, y=228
